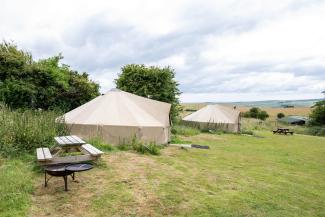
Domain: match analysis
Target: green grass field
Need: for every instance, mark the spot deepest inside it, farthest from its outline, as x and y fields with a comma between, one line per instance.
x=263, y=175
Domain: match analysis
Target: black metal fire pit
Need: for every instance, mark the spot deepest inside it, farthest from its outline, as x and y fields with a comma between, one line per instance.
x=64, y=171
x=78, y=167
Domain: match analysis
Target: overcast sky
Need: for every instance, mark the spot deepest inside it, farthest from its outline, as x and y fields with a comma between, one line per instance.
x=221, y=50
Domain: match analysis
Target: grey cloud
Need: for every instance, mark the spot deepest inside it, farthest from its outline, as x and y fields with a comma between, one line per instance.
x=119, y=44
x=95, y=44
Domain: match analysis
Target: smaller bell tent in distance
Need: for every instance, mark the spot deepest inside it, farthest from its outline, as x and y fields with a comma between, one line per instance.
x=118, y=116
x=215, y=117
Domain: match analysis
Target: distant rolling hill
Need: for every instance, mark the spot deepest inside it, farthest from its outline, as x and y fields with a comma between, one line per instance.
x=277, y=103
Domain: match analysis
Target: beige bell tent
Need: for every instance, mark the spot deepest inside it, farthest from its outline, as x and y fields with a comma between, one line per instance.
x=118, y=116
x=215, y=117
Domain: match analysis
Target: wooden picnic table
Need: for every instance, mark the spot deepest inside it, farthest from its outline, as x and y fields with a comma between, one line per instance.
x=67, y=144
x=284, y=131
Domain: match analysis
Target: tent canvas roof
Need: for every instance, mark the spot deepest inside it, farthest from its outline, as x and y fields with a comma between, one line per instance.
x=214, y=114
x=120, y=108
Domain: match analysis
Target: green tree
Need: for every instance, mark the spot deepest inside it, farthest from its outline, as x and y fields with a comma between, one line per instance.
x=262, y=115
x=280, y=115
x=317, y=116
x=45, y=84
x=80, y=90
x=255, y=112
x=252, y=113
x=151, y=82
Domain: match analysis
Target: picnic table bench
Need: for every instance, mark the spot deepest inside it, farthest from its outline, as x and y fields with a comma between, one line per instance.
x=66, y=144
x=284, y=131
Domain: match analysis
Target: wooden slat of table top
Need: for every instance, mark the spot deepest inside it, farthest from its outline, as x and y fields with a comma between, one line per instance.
x=75, y=139
x=65, y=140
x=59, y=140
x=72, y=140
x=78, y=139
x=62, y=141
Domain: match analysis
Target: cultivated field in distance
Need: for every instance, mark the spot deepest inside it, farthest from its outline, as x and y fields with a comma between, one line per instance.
x=188, y=108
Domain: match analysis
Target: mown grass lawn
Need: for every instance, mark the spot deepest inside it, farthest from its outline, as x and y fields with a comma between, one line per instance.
x=268, y=175
x=16, y=186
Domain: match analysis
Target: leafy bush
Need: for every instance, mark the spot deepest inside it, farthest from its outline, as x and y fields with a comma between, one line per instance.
x=100, y=144
x=321, y=132
x=317, y=117
x=316, y=131
x=175, y=139
x=124, y=146
x=24, y=131
x=150, y=148
x=262, y=115
x=280, y=115
x=246, y=114
x=247, y=132
x=185, y=130
x=256, y=113
x=309, y=130
x=140, y=147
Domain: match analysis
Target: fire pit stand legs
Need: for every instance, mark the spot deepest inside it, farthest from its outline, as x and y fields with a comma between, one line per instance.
x=65, y=183
x=57, y=170
x=65, y=179
x=64, y=171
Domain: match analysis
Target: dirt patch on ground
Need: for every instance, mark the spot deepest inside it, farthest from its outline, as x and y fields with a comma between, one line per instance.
x=130, y=169
x=54, y=201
